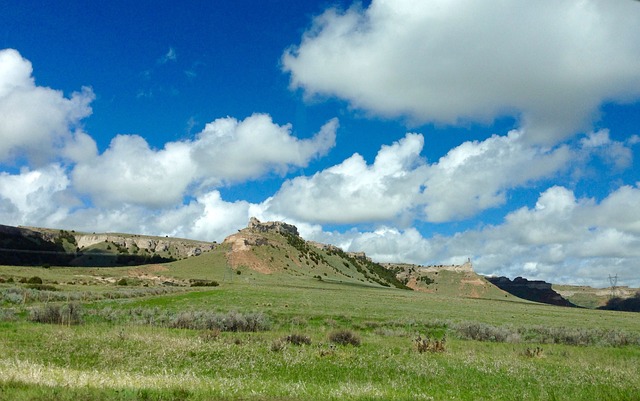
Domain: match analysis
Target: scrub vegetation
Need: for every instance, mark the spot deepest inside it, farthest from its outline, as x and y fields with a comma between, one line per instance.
x=286, y=337
x=268, y=316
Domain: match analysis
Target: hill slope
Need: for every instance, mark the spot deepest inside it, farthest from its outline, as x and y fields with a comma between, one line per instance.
x=32, y=246
x=276, y=248
x=454, y=280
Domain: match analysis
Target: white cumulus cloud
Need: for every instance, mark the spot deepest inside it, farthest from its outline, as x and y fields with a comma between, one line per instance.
x=226, y=151
x=37, y=122
x=353, y=191
x=562, y=239
x=551, y=63
x=40, y=196
x=475, y=175
x=400, y=185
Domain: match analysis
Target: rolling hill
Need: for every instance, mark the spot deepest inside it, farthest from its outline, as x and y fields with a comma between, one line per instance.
x=264, y=251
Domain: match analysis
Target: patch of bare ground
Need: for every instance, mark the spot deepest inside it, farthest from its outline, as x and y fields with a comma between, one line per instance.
x=241, y=255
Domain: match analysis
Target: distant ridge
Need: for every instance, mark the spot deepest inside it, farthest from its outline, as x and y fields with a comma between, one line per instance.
x=458, y=280
x=532, y=290
x=33, y=246
x=272, y=247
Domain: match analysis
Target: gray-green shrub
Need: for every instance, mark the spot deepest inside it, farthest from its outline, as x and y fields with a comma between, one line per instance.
x=344, y=337
x=70, y=313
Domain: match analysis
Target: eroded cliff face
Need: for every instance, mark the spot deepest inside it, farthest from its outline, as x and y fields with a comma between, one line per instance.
x=534, y=290
x=242, y=242
x=45, y=246
x=180, y=247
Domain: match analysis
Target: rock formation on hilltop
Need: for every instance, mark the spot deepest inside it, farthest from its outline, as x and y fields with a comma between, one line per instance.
x=272, y=226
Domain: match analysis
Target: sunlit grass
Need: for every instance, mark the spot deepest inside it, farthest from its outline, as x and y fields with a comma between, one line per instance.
x=116, y=355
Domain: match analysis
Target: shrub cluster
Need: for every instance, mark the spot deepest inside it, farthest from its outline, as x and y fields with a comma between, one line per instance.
x=344, y=337
x=57, y=314
x=41, y=287
x=39, y=293
x=204, y=283
x=31, y=280
x=297, y=339
x=231, y=321
x=7, y=315
x=533, y=352
x=545, y=335
x=485, y=332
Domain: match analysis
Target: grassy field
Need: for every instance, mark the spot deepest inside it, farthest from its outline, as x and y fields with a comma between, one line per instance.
x=276, y=337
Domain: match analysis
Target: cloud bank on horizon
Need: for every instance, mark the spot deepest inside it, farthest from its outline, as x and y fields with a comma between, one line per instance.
x=549, y=65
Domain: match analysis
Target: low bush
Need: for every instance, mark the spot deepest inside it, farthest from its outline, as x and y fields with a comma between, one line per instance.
x=297, y=339
x=204, y=283
x=545, y=335
x=344, y=337
x=57, y=314
x=278, y=345
x=484, y=332
x=230, y=322
x=41, y=287
x=7, y=315
x=12, y=295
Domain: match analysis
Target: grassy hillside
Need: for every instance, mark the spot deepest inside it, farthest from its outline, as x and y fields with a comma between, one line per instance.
x=288, y=336
x=269, y=316
x=288, y=256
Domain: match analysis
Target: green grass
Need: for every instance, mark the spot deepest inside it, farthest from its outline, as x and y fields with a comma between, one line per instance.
x=114, y=356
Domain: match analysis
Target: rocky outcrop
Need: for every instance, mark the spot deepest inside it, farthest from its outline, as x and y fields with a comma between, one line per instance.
x=179, y=247
x=272, y=226
x=534, y=290
x=412, y=269
x=45, y=246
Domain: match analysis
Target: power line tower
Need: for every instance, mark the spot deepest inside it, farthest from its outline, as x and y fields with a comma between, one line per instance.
x=613, y=282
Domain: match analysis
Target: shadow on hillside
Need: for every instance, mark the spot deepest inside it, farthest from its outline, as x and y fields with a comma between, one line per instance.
x=624, y=304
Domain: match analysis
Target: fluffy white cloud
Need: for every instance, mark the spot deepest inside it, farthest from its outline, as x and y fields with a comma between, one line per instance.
x=37, y=122
x=353, y=191
x=614, y=153
x=400, y=185
x=206, y=218
x=551, y=62
x=561, y=239
x=476, y=175
x=568, y=237
x=131, y=172
x=226, y=151
x=35, y=196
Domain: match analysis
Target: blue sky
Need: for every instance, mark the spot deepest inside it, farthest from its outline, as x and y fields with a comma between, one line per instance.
x=423, y=132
